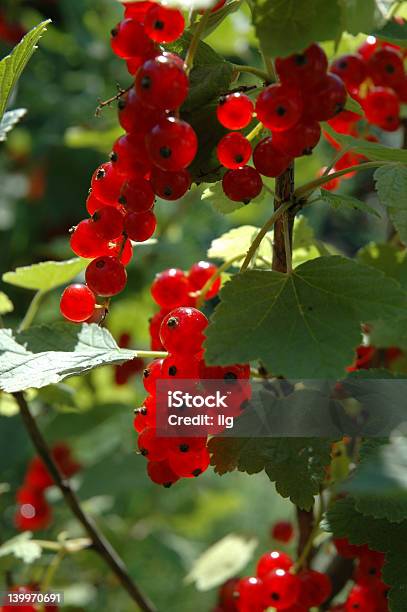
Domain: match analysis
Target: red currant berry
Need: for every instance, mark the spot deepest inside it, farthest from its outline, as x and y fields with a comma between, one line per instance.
x=315, y=588
x=369, y=569
x=234, y=150
x=351, y=69
x=268, y=160
x=77, y=303
x=33, y=511
x=107, y=183
x=303, y=69
x=182, y=330
x=281, y=589
x=367, y=48
x=22, y=591
x=161, y=83
x=386, y=67
x=106, y=276
x=242, y=184
x=140, y=226
x=137, y=195
x=326, y=100
x=172, y=144
x=382, y=108
x=198, y=276
x=184, y=446
x=170, y=185
x=191, y=465
x=128, y=39
x=360, y=599
x=108, y=222
x=137, y=118
x=85, y=242
x=273, y=560
x=161, y=473
x=154, y=330
x=137, y=10
x=170, y=288
x=235, y=111
x=401, y=90
x=299, y=140
x=124, y=252
x=347, y=550
x=164, y=24
x=129, y=157
x=93, y=203
x=227, y=592
x=250, y=596
x=279, y=107
x=151, y=374
x=180, y=366
x=283, y=531
x=152, y=445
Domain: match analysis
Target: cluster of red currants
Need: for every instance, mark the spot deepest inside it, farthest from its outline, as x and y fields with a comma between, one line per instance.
x=23, y=591
x=291, y=109
x=149, y=160
x=33, y=511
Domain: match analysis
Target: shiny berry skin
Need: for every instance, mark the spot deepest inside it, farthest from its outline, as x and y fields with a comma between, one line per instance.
x=172, y=144
x=33, y=511
x=140, y=226
x=106, y=276
x=170, y=185
x=283, y=531
x=369, y=569
x=128, y=39
x=151, y=374
x=199, y=274
x=136, y=117
x=233, y=150
x=137, y=195
x=108, y=222
x=161, y=473
x=235, y=111
x=123, y=253
x=77, y=303
x=182, y=330
x=227, y=599
x=93, y=203
x=360, y=599
x=382, y=108
x=249, y=593
x=268, y=160
x=303, y=69
x=163, y=24
x=190, y=466
x=181, y=367
x=85, y=242
x=386, y=68
x=152, y=446
x=161, y=83
x=106, y=183
x=279, y=107
x=281, y=589
x=154, y=329
x=170, y=288
x=237, y=371
x=347, y=550
x=299, y=140
x=242, y=184
x=316, y=587
x=137, y=10
x=351, y=68
x=273, y=560
x=326, y=100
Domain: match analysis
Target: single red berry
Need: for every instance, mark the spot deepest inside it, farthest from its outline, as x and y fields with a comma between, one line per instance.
x=180, y=366
x=347, y=550
x=227, y=599
x=77, y=303
x=382, y=108
x=182, y=330
x=85, y=242
x=137, y=118
x=233, y=150
x=351, y=68
x=283, y=531
x=161, y=83
x=172, y=144
x=164, y=24
x=152, y=445
x=326, y=100
x=140, y=226
x=146, y=415
x=33, y=511
x=184, y=446
x=106, y=276
x=249, y=592
x=151, y=374
x=154, y=329
x=170, y=288
x=275, y=559
x=37, y=476
x=161, y=473
x=191, y=465
x=369, y=569
x=235, y=111
x=279, y=107
x=386, y=67
x=124, y=252
x=137, y=195
x=93, y=203
x=360, y=599
x=23, y=591
x=237, y=371
x=401, y=90
x=199, y=274
x=299, y=140
x=303, y=69
x=281, y=589
x=170, y=185
x=137, y=10
x=268, y=160
x=107, y=183
x=242, y=184
x=128, y=39
x=108, y=222
x=316, y=587
x=129, y=156
x=368, y=47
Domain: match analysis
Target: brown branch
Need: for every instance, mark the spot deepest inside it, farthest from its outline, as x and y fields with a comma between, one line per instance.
x=284, y=193
x=121, y=92
x=100, y=543
x=305, y=520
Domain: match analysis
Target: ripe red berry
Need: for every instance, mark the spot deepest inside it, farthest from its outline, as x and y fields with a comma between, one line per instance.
x=106, y=183
x=279, y=107
x=347, y=550
x=326, y=100
x=226, y=598
x=382, y=107
x=316, y=587
x=351, y=68
x=233, y=150
x=369, y=569
x=170, y=288
x=123, y=252
x=172, y=144
x=250, y=596
x=152, y=445
x=108, y=222
x=151, y=374
x=93, y=203
x=182, y=330
x=77, y=303
x=161, y=473
x=180, y=366
x=137, y=195
x=303, y=69
x=283, y=531
x=275, y=559
x=33, y=511
x=128, y=39
x=106, y=276
x=199, y=274
x=137, y=10
x=235, y=111
x=360, y=599
x=129, y=156
x=154, y=329
x=161, y=83
x=299, y=140
x=386, y=67
x=191, y=465
x=281, y=589
x=268, y=160
x=136, y=117
x=140, y=226
x=163, y=24
x=85, y=242
x=242, y=184
x=170, y=185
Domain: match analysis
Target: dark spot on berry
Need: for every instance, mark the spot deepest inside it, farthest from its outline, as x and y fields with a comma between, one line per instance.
x=338, y=108
x=167, y=485
x=122, y=200
x=196, y=472
x=100, y=264
x=300, y=59
x=238, y=159
x=172, y=322
x=343, y=65
x=114, y=32
x=229, y=376
x=172, y=370
x=307, y=151
x=145, y=82
x=121, y=105
x=372, y=571
x=275, y=596
x=184, y=448
x=143, y=411
x=165, y=152
x=167, y=191
x=113, y=157
x=101, y=173
x=281, y=111
x=390, y=69
x=96, y=216
x=158, y=25
x=146, y=373
x=246, y=201
x=144, y=452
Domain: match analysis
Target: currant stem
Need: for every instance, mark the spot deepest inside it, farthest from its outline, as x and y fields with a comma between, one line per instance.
x=255, y=132
x=193, y=47
x=31, y=311
x=151, y=354
x=302, y=559
x=287, y=244
x=215, y=275
x=261, y=74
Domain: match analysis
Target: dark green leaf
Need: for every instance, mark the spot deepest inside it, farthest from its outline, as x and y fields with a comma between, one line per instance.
x=340, y=201
x=394, y=32
x=371, y=150
x=360, y=16
x=391, y=185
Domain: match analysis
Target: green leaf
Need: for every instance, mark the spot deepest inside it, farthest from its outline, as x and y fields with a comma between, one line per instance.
x=288, y=26
x=353, y=106
x=6, y=305
x=46, y=275
x=394, y=32
x=339, y=201
x=305, y=324
x=13, y=65
x=216, y=18
x=22, y=548
x=399, y=219
x=391, y=185
x=360, y=16
x=387, y=258
x=47, y=354
x=371, y=150
x=60, y=396
x=215, y=195
x=9, y=120
x=81, y=138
